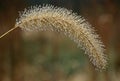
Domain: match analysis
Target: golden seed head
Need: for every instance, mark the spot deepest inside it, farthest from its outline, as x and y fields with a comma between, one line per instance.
x=68, y=23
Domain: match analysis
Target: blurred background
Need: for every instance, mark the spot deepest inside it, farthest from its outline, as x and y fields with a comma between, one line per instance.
x=51, y=57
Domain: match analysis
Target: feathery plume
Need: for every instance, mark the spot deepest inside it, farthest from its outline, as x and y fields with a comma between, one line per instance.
x=68, y=23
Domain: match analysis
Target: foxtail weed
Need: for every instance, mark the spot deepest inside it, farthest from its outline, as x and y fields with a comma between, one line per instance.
x=42, y=18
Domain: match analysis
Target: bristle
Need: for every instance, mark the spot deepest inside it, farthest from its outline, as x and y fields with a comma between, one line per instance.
x=66, y=22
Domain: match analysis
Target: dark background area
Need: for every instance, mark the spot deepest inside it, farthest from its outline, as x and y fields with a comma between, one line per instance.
x=50, y=57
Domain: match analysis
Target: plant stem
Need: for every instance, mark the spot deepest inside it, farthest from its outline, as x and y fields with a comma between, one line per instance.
x=8, y=32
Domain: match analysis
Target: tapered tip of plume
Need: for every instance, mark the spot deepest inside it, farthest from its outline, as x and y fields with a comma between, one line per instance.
x=66, y=22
